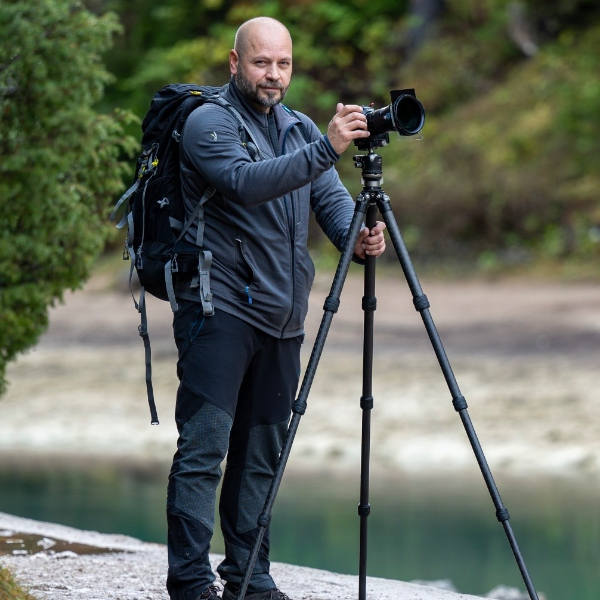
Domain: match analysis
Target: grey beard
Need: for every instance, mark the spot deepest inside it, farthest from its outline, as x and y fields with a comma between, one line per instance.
x=251, y=92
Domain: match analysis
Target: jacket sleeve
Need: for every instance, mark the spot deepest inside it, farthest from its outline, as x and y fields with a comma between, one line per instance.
x=212, y=146
x=330, y=200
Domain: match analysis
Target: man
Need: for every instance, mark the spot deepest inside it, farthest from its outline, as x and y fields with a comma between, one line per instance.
x=239, y=368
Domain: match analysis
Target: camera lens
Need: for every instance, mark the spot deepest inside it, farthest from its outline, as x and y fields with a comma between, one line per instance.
x=405, y=115
x=408, y=115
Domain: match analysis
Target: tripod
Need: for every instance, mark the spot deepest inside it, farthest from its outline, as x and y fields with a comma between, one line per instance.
x=371, y=199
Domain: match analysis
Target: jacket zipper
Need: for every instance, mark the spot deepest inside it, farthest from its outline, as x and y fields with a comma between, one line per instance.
x=291, y=231
x=243, y=257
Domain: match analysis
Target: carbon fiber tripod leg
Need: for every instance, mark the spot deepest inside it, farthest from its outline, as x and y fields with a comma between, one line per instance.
x=369, y=305
x=460, y=404
x=330, y=307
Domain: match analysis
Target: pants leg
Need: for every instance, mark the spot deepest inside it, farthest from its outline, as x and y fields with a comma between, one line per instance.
x=214, y=353
x=261, y=420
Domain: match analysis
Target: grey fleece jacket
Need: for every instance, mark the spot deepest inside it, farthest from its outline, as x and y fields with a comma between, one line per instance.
x=256, y=225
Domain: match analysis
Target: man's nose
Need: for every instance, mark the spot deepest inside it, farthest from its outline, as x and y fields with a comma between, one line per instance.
x=273, y=72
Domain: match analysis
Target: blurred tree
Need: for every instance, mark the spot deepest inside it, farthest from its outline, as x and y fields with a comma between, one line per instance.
x=59, y=159
x=516, y=171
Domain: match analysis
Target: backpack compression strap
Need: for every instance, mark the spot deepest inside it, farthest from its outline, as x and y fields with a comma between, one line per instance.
x=146, y=170
x=205, y=258
x=202, y=281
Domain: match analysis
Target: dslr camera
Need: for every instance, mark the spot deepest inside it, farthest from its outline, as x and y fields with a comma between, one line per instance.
x=405, y=114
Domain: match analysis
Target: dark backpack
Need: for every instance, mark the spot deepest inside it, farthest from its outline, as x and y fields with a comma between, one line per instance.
x=154, y=210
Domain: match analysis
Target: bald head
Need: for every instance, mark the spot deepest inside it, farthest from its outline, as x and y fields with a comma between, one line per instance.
x=257, y=29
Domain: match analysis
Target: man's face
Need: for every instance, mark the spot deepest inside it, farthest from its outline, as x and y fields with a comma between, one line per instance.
x=264, y=69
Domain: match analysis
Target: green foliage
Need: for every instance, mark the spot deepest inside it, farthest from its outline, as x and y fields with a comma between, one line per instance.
x=465, y=59
x=161, y=44
x=515, y=171
x=188, y=40
x=59, y=159
x=10, y=589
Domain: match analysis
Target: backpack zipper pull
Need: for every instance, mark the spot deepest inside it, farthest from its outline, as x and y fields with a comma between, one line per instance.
x=247, y=290
x=174, y=265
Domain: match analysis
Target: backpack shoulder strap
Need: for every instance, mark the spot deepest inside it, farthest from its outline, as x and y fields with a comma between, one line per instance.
x=252, y=144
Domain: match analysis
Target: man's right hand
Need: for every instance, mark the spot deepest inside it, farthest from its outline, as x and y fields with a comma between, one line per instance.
x=348, y=124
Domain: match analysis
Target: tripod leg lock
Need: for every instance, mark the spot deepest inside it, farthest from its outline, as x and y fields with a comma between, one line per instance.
x=364, y=510
x=367, y=402
x=369, y=303
x=421, y=302
x=264, y=520
x=331, y=304
x=460, y=404
x=502, y=515
x=299, y=407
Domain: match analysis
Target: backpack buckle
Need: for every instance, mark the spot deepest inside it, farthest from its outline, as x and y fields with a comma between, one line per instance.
x=204, y=264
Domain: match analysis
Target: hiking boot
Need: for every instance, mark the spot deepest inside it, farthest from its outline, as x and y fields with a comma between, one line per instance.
x=210, y=593
x=230, y=593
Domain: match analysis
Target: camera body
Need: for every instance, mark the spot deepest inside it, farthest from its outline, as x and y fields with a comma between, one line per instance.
x=405, y=114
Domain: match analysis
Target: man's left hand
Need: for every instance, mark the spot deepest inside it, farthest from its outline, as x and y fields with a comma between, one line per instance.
x=370, y=243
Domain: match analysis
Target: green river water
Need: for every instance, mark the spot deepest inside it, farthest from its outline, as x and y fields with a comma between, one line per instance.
x=423, y=528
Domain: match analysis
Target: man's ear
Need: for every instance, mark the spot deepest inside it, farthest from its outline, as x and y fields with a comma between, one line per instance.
x=234, y=60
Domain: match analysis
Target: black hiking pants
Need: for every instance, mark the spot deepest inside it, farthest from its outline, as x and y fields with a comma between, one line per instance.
x=237, y=386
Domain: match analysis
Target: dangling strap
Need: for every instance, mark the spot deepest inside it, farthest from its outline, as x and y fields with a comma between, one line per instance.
x=128, y=254
x=143, y=329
